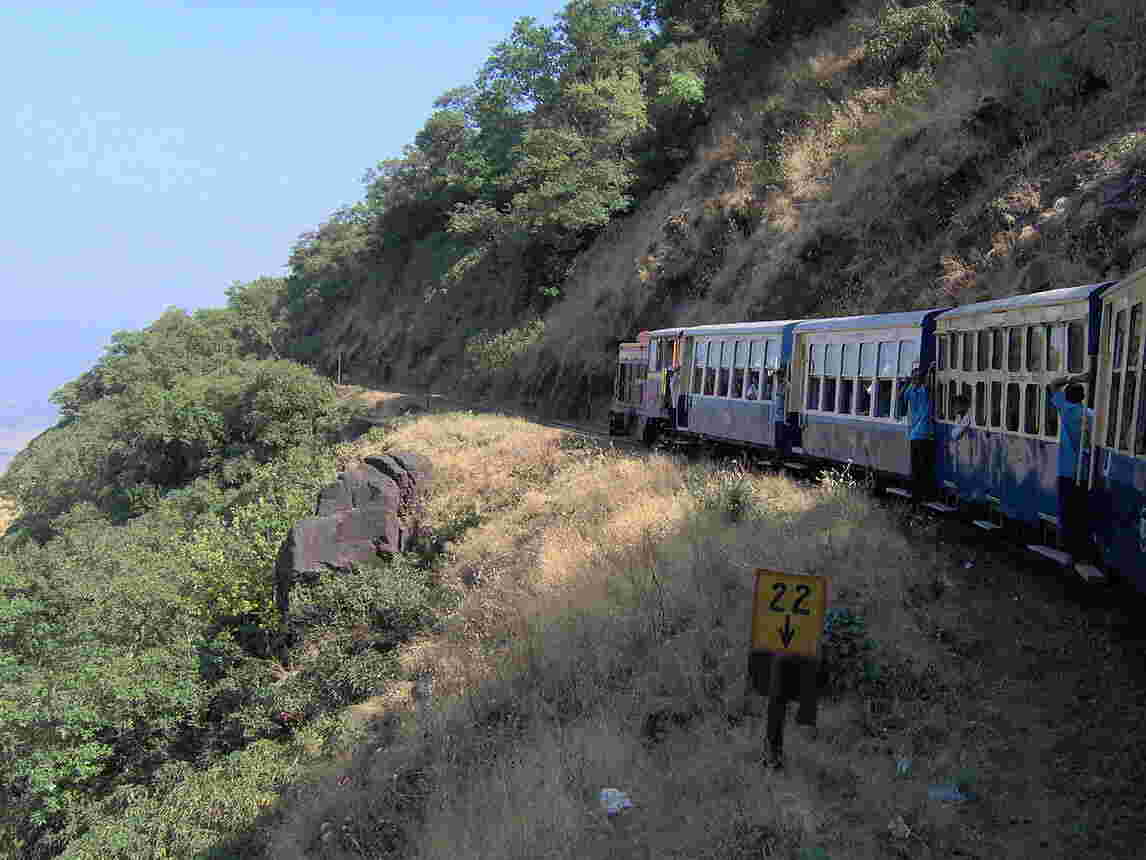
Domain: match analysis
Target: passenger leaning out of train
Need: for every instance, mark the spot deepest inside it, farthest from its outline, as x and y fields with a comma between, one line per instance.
x=915, y=402
x=1068, y=398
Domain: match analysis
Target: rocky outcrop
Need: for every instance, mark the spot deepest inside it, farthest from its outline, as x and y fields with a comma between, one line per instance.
x=369, y=512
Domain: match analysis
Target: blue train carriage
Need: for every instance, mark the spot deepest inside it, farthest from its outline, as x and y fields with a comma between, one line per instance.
x=730, y=382
x=847, y=374
x=1002, y=355
x=1118, y=461
x=632, y=367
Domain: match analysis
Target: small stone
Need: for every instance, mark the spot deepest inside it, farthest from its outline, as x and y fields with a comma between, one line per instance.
x=898, y=828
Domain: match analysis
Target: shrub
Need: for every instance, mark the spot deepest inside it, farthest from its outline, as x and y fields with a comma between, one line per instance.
x=907, y=38
x=488, y=351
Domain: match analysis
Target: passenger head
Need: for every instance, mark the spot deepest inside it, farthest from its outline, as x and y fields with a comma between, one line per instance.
x=1075, y=393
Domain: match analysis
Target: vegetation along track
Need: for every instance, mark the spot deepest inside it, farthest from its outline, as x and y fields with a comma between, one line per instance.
x=954, y=530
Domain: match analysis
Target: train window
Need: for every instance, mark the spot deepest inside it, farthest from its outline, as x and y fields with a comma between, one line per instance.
x=1112, y=412
x=908, y=356
x=774, y=353
x=867, y=359
x=829, y=394
x=1127, y=409
x=951, y=395
x=968, y=349
x=996, y=404
x=996, y=349
x=1140, y=434
x=1031, y=410
x=1056, y=345
x=1134, y=343
x=1036, y=346
x=1014, y=350
x=941, y=352
x=883, y=398
x=863, y=395
x=832, y=359
x=740, y=359
x=1050, y=415
x=850, y=360
x=831, y=371
x=1013, y=395
x=725, y=369
x=955, y=341
x=847, y=392
x=813, y=392
x=698, y=368
x=653, y=353
x=888, y=358
x=981, y=403
x=983, y=351
x=1075, y=346
x=755, y=356
x=1119, y=337
x=815, y=368
x=710, y=367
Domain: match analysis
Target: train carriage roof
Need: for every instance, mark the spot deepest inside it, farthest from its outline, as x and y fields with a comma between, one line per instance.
x=1129, y=282
x=718, y=329
x=906, y=318
x=1062, y=296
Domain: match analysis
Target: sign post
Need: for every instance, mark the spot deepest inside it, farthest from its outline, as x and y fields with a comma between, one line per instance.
x=784, y=663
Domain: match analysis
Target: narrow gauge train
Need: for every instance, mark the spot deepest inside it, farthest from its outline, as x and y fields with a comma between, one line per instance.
x=806, y=392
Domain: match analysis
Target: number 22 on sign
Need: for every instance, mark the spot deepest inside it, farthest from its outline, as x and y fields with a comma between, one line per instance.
x=788, y=612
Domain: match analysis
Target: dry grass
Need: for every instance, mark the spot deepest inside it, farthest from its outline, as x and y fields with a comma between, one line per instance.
x=616, y=593
x=9, y=513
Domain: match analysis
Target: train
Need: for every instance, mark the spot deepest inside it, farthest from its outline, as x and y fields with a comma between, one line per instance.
x=809, y=393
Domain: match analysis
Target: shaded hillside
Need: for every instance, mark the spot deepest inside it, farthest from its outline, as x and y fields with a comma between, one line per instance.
x=832, y=158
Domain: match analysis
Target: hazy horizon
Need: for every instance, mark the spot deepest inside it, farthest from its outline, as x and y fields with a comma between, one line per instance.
x=162, y=151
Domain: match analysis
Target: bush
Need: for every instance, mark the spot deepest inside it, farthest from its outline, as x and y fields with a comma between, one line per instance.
x=903, y=38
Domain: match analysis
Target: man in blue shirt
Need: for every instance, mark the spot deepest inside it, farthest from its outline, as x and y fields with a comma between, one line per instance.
x=1072, y=411
x=915, y=403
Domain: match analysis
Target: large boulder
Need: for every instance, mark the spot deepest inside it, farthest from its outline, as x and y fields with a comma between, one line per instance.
x=358, y=487
x=413, y=473
x=361, y=516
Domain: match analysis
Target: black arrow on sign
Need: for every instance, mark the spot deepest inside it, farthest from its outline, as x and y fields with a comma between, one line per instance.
x=787, y=632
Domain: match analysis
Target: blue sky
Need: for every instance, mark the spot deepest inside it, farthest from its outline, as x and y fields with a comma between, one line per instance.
x=154, y=153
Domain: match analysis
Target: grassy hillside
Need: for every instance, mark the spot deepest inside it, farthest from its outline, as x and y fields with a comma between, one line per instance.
x=599, y=639
x=877, y=157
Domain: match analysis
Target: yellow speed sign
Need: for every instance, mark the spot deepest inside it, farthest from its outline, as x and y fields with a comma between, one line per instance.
x=788, y=613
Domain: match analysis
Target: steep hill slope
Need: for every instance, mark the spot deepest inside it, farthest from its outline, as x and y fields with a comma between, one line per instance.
x=882, y=157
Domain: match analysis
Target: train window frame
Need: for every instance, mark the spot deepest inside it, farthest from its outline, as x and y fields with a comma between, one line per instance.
x=711, y=369
x=1030, y=350
x=752, y=371
x=724, y=374
x=699, y=363
x=839, y=386
x=1122, y=391
x=739, y=364
x=1016, y=349
x=1076, y=349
